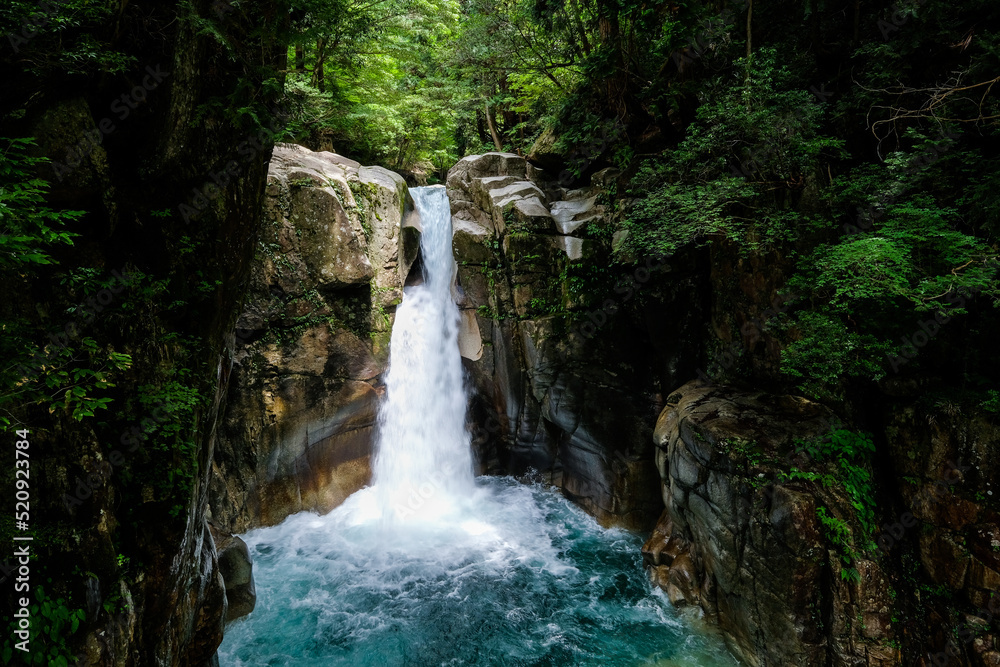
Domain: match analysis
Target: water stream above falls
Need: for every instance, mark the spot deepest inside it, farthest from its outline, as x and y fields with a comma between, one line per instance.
x=429, y=566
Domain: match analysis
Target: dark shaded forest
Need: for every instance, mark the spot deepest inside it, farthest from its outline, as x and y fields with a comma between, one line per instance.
x=846, y=153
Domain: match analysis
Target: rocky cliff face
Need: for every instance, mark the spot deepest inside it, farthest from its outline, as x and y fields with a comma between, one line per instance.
x=119, y=498
x=569, y=365
x=941, y=534
x=568, y=382
x=339, y=241
x=746, y=544
x=744, y=538
x=571, y=372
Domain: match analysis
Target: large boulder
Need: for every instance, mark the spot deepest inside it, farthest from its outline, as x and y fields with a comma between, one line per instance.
x=236, y=568
x=543, y=152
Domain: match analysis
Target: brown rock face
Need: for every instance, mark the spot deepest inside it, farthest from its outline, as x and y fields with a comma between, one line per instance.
x=339, y=242
x=947, y=470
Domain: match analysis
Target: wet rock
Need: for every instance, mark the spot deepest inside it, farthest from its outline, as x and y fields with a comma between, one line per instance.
x=543, y=152
x=236, y=568
x=576, y=406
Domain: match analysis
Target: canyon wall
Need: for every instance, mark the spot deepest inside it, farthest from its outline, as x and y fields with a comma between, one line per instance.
x=338, y=243
x=135, y=314
x=568, y=386
x=580, y=376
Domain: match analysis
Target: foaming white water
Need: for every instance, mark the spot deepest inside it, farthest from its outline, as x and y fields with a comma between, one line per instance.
x=423, y=461
x=526, y=579
x=482, y=573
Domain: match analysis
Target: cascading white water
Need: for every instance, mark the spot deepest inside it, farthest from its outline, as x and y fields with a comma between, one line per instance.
x=423, y=461
x=480, y=572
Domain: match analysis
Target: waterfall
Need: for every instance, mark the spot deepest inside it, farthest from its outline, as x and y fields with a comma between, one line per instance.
x=477, y=572
x=423, y=461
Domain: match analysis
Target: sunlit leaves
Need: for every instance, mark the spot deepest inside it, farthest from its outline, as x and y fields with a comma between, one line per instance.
x=28, y=228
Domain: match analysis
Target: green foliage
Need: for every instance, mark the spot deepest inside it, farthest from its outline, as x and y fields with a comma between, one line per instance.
x=70, y=373
x=746, y=450
x=671, y=215
x=166, y=412
x=521, y=61
x=69, y=36
x=70, y=378
x=992, y=402
x=865, y=290
x=28, y=228
x=767, y=129
x=53, y=623
x=881, y=186
x=828, y=351
x=372, y=81
x=848, y=454
x=715, y=186
x=916, y=257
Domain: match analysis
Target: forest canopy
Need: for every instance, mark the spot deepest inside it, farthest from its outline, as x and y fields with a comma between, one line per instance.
x=852, y=140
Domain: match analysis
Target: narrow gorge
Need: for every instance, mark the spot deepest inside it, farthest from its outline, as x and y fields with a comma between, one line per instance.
x=576, y=401
x=437, y=332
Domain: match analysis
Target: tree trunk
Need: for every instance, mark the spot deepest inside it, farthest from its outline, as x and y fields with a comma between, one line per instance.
x=506, y=114
x=576, y=13
x=491, y=121
x=481, y=126
x=300, y=58
x=857, y=24
x=616, y=83
x=318, y=73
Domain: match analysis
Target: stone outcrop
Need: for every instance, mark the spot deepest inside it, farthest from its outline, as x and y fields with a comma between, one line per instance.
x=340, y=240
x=742, y=540
x=744, y=544
x=569, y=363
x=567, y=383
x=236, y=569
